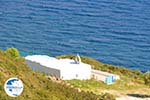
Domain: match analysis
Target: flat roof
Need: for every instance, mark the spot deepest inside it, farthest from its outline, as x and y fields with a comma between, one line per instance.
x=52, y=62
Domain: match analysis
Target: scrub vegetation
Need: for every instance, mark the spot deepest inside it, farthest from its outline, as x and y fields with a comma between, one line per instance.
x=36, y=85
x=147, y=78
x=132, y=81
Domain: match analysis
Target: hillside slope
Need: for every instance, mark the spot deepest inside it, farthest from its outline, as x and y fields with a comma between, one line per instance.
x=131, y=82
x=36, y=85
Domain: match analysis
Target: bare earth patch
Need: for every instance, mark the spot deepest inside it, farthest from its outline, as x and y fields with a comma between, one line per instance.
x=137, y=94
x=131, y=98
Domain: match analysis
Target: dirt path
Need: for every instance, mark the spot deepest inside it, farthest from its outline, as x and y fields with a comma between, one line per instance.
x=138, y=94
x=131, y=98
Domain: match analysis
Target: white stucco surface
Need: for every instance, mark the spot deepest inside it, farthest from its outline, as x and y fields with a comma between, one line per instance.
x=69, y=69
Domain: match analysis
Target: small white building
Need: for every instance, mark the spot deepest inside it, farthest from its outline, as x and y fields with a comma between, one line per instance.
x=65, y=69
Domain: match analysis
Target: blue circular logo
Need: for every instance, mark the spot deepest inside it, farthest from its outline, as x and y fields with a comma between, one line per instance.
x=13, y=87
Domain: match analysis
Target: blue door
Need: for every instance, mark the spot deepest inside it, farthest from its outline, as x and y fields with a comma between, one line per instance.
x=109, y=80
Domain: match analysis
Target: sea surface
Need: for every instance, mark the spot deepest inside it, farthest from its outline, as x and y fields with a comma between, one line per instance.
x=112, y=31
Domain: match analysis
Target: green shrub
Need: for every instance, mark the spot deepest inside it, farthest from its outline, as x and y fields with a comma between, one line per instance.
x=12, y=52
x=147, y=78
x=107, y=96
x=1, y=87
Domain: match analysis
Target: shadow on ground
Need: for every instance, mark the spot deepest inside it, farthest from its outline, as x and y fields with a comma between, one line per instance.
x=139, y=95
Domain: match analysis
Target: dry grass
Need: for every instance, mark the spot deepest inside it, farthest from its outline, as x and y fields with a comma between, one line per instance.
x=131, y=81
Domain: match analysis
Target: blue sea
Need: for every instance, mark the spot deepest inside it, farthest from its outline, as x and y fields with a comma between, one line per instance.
x=112, y=31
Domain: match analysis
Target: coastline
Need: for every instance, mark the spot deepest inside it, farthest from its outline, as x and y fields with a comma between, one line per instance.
x=131, y=83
